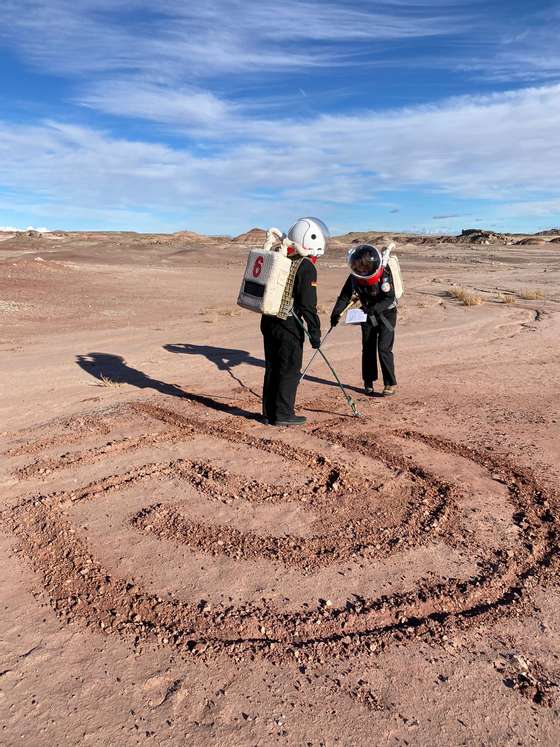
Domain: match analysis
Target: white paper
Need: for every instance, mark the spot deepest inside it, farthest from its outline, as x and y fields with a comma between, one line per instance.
x=355, y=316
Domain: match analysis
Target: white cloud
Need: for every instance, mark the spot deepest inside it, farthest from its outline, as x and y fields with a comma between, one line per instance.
x=13, y=229
x=501, y=147
x=485, y=147
x=533, y=209
x=135, y=98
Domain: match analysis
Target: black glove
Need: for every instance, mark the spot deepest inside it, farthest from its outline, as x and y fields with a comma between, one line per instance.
x=315, y=342
x=335, y=318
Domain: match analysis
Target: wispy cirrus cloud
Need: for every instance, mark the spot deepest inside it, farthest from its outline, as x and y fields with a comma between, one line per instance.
x=179, y=40
x=524, y=49
x=451, y=215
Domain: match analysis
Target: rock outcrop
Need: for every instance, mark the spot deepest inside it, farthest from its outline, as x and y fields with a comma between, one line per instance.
x=254, y=236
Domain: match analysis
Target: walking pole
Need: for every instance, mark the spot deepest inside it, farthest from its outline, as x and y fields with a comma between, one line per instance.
x=349, y=399
x=323, y=340
x=302, y=377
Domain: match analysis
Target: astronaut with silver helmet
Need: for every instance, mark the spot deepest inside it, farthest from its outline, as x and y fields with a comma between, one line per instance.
x=305, y=241
x=308, y=237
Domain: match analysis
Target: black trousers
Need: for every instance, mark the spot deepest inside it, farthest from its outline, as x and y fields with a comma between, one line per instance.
x=379, y=340
x=283, y=353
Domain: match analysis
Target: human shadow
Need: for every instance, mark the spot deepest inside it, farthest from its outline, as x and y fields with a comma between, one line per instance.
x=225, y=359
x=111, y=369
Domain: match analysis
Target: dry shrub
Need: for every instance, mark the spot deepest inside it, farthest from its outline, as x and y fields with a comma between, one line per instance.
x=531, y=294
x=230, y=311
x=105, y=381
x=466, y=297
x=235, y=311
x=471, y=300
x=503, y=298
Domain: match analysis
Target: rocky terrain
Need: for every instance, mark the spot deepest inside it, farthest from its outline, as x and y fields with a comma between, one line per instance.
x=176, y=572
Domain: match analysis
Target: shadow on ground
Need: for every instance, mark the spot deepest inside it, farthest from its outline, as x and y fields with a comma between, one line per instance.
x=225, y=359
x=112, y=369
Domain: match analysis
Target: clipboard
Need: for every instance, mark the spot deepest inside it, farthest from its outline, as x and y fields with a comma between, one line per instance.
x=355, y=316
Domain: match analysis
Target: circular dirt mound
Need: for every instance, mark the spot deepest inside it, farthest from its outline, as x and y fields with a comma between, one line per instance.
x=346, y=526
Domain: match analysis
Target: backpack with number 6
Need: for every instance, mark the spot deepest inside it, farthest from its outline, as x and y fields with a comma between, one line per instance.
x=266, y=282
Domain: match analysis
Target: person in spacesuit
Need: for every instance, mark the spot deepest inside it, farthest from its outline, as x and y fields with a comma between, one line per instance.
x=370, y=280
x=284, y=338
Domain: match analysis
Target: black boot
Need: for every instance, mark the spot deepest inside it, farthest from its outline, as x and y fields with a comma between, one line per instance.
x=292, y=420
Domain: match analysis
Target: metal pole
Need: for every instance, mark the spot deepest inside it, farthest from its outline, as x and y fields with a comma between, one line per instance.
x=314, y=355
x=349, y=399
x=323, y=340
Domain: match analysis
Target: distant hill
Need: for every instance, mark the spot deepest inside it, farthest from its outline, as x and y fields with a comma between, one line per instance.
x=549, y=232
x=254, y=236
x=190, y=235
x=531, y=240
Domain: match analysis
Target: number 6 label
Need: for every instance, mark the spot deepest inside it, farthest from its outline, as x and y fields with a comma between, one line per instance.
x=257, y=267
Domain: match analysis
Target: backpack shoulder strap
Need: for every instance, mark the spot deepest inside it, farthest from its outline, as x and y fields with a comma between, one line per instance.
x=288, y=295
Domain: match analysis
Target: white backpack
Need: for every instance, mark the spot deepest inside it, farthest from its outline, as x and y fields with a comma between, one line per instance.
x=395, y=267
x=265, y=281
x=392, y=262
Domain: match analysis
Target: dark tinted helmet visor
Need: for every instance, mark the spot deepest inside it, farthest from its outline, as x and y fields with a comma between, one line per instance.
x=364, y=261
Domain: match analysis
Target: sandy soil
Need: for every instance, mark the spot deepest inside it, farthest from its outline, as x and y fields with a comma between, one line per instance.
x=176, y=572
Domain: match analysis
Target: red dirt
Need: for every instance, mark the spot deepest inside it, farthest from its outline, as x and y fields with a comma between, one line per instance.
x=178, y=572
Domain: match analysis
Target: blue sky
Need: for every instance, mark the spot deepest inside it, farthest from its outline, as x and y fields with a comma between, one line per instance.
x=160, y=116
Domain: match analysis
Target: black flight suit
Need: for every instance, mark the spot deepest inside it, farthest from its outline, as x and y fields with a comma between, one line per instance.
x=283, y=346
x=378, y=333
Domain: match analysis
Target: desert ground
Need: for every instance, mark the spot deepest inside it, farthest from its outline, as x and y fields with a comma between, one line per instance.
x=176, y=572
